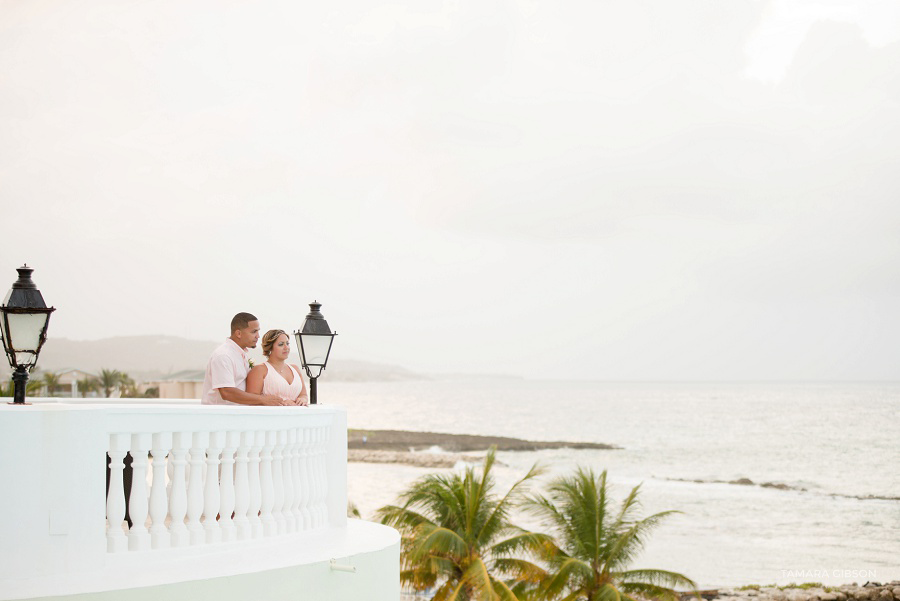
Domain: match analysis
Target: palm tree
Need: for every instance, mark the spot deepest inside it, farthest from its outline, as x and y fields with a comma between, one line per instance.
x=595, y=544
x=127, y=386
x=109, y=380
x=456, y=536
x=88, y=384
x=51, y=381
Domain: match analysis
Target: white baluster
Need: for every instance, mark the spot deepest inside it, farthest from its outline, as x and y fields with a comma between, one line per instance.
x=321, y=489
x=278, y=482
x=290, y=438
x=255, y=488
x=178, y=495
x=138, y=536
x=115, y=499
x=195, y=488
x=268, y=489
x=242, y=486
x=226, y=485
x=211, y=498
x=314, y=477
x=159, y=535
x=323, y=467
x=305, y=479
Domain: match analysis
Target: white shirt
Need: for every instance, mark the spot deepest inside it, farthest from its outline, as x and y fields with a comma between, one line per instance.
x=227, y=368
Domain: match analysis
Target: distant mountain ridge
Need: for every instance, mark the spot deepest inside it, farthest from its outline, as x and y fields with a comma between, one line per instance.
x=154, y=357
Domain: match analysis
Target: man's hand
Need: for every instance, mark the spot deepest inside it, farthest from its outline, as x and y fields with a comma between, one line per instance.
x=271, y=399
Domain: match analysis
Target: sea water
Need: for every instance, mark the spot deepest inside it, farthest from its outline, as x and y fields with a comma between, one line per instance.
x=831, y=444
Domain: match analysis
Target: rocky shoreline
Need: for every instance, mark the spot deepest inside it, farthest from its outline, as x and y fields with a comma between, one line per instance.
x=782, y=486
x=403, y=440
x=870, y=591
x=402, y=446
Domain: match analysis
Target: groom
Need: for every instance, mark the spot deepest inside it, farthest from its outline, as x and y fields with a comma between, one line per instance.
x=226, y=373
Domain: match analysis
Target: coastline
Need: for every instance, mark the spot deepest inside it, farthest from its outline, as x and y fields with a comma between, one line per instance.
x=810, y=591
x=409, y=447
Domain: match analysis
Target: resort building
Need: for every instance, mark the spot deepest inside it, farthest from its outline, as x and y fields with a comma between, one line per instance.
x=197, y=502
x=67, y=383
x=186, y=384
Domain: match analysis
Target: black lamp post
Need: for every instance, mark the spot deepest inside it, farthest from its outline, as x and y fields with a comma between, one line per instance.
x=24, y=328
x=314, y=339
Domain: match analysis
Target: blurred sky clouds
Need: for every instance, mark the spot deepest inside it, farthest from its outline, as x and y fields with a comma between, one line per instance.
x=641, y=189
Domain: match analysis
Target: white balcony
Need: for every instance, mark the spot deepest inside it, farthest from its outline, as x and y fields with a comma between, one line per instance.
x=225, y=502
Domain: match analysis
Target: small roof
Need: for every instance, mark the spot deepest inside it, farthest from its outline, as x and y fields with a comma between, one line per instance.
x=188, y=375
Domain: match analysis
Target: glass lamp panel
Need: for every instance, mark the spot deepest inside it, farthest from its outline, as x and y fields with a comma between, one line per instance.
x=25, y=330
x=315, y=348
x=26, y=359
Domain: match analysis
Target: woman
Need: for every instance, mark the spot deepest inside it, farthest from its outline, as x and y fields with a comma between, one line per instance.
x=275, y=376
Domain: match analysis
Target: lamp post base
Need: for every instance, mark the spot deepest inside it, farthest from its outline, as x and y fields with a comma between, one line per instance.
x=20, y=380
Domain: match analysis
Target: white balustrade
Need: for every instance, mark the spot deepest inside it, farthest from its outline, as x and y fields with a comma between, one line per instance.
x=211, y=497
x=266, y=485
x=115, y=496
x=159, y=533
x=242, y=487
x=278, y=482
x=138, y=501
x=305, y=477
x=226, y=485
x=254, y=469
x=178, y=494
x=205, y=486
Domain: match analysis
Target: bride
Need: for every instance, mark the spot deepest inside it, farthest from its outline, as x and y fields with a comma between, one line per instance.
x=275, y=376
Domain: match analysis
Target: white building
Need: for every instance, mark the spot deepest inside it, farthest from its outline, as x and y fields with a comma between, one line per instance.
x=270, y=525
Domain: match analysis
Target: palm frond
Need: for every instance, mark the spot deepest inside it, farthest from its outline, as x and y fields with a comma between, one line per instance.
x=661, y=578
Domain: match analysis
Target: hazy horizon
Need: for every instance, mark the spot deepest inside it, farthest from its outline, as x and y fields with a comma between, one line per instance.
x=621, y=191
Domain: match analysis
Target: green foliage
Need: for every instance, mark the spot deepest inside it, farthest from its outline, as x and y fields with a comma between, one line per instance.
x=596, y=543
x=806, y=586
x=109, y=380
x=127, y=387
x=51, y=381
x=457, y=536
x=88, y=385
x=32, y=387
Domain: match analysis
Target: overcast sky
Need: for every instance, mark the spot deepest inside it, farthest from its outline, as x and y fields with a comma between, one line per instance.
x=625, y=189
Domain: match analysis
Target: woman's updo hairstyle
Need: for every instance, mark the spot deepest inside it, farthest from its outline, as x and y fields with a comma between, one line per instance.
x=269, y=338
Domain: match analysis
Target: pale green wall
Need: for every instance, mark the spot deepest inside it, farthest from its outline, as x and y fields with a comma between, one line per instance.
x=377, y=578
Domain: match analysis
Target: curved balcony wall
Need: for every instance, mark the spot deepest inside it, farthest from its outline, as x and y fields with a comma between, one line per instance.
x=123, y=498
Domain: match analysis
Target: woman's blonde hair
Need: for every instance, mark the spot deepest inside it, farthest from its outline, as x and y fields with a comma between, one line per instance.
x=269, y=338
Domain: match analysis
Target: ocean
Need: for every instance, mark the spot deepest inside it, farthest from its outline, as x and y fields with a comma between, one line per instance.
x=828, y=445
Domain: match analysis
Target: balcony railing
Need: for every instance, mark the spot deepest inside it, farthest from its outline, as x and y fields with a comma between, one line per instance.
x=206, y=486
x=201, y=477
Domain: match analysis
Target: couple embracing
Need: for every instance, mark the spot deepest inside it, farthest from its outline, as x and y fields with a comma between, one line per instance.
x=232, y=379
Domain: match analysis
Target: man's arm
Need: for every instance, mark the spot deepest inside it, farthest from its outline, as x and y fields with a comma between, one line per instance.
x=236, y=395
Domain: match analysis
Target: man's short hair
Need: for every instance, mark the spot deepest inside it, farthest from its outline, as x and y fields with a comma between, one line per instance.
x=241, y=321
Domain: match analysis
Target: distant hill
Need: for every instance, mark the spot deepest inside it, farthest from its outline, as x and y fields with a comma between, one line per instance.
x=154, y=357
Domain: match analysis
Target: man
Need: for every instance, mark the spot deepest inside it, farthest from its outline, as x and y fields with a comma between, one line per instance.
x=226, y=373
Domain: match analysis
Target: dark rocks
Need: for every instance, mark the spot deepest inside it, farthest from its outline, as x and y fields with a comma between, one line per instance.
x=401, y=440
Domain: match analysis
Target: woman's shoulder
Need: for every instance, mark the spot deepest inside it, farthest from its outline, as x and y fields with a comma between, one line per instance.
x=258, y=369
